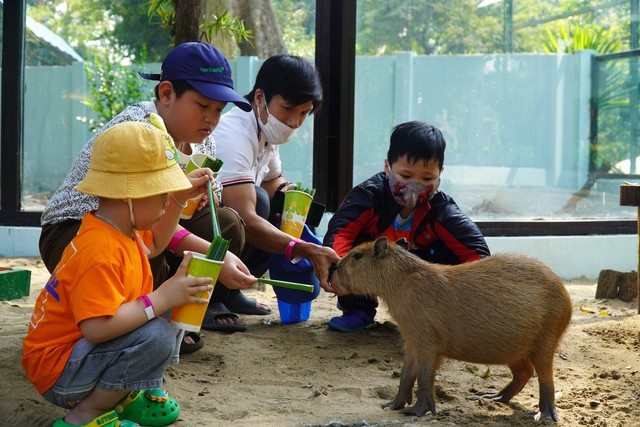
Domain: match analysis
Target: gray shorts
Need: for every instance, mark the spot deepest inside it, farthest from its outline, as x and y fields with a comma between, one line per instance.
x=135, y=361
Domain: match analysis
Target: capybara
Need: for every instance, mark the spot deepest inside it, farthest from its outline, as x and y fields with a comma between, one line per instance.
x=503, y=309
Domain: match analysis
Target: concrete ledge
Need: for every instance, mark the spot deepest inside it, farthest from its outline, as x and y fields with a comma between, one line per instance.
x=19, y=241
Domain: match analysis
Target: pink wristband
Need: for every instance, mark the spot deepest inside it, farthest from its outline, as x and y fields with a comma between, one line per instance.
x=289, y=249
x=148, y=306
x=173, y=243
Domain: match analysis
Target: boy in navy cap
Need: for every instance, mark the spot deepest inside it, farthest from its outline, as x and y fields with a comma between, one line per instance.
x=195, y=86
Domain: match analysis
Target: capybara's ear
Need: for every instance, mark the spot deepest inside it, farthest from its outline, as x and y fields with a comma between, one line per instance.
x=403, y=243
x=380, y=247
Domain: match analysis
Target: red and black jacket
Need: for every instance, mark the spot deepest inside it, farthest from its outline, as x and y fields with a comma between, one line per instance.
x=440, y=231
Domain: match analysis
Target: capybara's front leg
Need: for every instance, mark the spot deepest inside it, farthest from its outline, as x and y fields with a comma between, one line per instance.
x=426, y=396
x=407, y=379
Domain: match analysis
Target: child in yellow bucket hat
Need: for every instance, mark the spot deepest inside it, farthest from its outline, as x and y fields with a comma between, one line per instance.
x=95, y=344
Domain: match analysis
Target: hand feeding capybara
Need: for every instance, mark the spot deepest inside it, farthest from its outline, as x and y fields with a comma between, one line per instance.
x=503, y=309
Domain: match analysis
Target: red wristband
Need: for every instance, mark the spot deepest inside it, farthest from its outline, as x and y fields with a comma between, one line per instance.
x=289, y=249
x=173, y=243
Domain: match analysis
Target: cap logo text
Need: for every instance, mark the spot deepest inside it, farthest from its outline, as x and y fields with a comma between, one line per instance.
x=212, y=69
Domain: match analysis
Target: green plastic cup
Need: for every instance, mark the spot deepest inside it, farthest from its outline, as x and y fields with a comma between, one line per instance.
x=190, y=316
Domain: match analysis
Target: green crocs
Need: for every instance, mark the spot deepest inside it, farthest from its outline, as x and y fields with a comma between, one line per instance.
x=151, y=407
x=108, y=419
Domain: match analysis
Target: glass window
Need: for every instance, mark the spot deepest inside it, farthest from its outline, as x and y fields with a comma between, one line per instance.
x=53, y=130
x=297, y=22
x=510, y=87
x=81, y=68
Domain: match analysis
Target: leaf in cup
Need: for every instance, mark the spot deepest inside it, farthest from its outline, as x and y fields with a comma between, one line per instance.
x=309, y=191
x=218, y=249
x=213, y=164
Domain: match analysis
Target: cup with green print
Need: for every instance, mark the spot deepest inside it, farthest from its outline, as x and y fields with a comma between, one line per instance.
x=294, y=212
x=189, y=317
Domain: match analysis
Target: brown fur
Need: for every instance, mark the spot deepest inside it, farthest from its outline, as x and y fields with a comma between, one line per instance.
x=504, y=309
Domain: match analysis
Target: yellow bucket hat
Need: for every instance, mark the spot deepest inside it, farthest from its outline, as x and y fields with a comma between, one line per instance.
x=133, y=160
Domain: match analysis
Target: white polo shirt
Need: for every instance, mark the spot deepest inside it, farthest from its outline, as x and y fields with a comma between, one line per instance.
x=247, y=158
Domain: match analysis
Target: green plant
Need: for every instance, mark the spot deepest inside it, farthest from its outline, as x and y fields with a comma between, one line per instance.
x=599, y=39
x=113, y=87
x=309, y=191
x=217, y=24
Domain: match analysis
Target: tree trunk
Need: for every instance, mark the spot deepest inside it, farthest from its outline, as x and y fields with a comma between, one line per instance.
x=628, y=286
x=260, y=18
x=187, y=21
x=608, y=281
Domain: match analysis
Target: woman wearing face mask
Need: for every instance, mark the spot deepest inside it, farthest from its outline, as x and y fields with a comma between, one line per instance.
x=287, y=90
x=404, y=201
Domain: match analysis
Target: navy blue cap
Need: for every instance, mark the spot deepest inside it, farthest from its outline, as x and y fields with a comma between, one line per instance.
x=205, y=68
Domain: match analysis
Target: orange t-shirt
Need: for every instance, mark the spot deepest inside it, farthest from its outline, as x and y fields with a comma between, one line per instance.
x=100, y=270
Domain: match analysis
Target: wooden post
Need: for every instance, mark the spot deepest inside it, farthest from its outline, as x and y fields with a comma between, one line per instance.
x=630, y=196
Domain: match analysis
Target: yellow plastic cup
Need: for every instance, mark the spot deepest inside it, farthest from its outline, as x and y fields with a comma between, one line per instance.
x=190, y=316
x=195, y=162
x=294, y=212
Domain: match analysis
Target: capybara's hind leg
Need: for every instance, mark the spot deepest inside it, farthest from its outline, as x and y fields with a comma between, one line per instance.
x=522, y=370
x=407, y=379
x=546, y=404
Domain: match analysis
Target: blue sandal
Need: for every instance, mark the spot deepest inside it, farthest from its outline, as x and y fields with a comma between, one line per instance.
x=352, y=321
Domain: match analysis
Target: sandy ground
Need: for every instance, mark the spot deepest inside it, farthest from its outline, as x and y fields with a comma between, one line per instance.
x=305, y=375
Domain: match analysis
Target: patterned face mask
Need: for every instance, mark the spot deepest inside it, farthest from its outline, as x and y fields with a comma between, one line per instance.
x=412, y=193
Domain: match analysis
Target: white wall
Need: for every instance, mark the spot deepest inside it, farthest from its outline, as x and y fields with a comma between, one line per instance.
x=19, y=241
x=568, y=256
x=575, y=256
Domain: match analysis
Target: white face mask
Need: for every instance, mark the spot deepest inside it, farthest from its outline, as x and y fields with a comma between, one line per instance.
x=133, y=225
x=275, y=132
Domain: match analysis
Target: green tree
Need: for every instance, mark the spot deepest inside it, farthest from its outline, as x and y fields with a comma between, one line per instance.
x=427, y=27
x=298, y=25
x=460, y=27
x=94, y=28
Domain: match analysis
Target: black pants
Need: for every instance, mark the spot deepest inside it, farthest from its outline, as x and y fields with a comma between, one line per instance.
x=257, y=260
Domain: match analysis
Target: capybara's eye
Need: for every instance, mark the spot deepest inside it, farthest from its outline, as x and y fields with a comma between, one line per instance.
x=357, y=255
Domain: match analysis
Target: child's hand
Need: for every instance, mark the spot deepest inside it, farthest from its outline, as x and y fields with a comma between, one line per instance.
x=235, y=274
x=198, y=179
x=204, y=201
x=182, y=289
